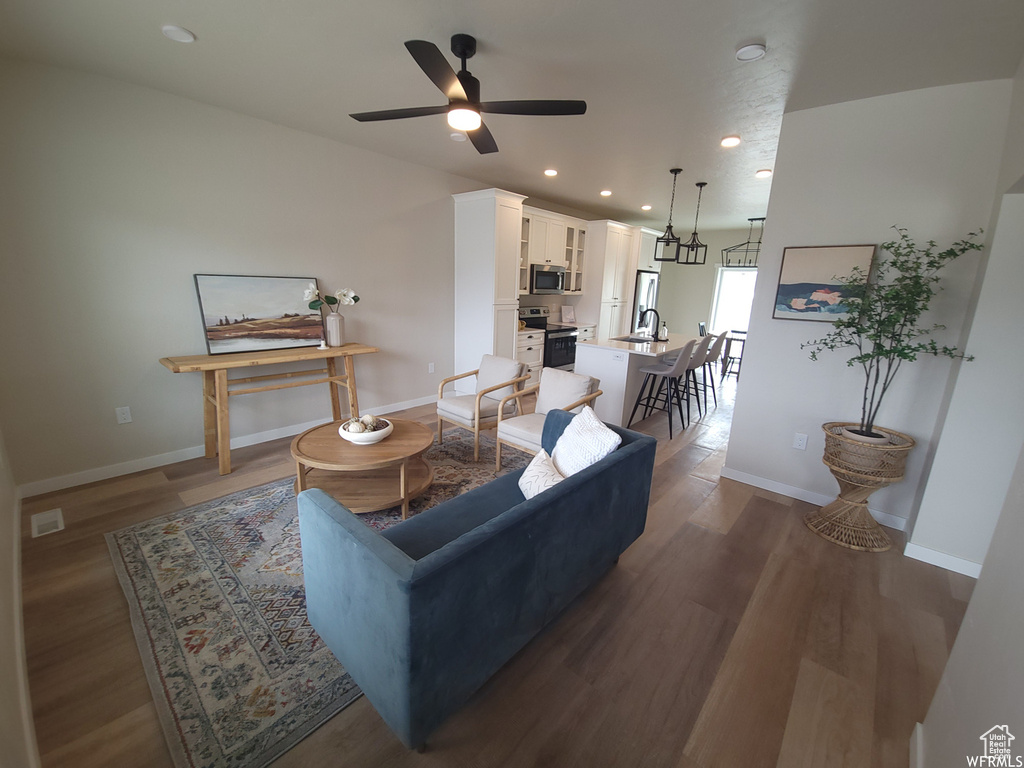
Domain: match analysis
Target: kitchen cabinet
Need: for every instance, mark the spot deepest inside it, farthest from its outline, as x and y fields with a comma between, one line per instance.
x=616, y=283
x=546, y=239
x=488, y=248
x=613, y=318
x=645, y=257
x=530, y=351
x=575, y=245
x=587, y=332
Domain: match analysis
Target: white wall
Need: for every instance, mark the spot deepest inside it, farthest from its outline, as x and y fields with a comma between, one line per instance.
x=112, y=196
x=983, y=683
x=984, y=428
x=686, y=292
x=927, y=160
x=17, y=734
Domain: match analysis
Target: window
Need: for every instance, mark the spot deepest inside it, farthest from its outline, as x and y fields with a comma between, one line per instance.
x=734, y=293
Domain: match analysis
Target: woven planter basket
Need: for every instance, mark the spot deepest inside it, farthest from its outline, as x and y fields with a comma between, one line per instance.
x=861, y=469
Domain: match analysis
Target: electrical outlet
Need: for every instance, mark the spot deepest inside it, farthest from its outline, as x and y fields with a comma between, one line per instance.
x=124, y=415
x=430, y=367
x=800, y=441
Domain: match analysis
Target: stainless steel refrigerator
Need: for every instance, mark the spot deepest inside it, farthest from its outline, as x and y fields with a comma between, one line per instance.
x=645, y=297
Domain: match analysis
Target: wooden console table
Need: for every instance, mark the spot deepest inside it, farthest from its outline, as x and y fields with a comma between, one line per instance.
x=217, y=387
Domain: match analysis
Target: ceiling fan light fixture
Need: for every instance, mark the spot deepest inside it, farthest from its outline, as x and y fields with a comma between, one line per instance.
x=464, y=118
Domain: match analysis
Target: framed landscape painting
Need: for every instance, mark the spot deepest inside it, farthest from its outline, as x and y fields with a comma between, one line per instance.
x=247, y=314
x=810, y=283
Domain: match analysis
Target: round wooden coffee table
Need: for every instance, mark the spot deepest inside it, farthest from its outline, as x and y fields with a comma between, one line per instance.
x=365, y=478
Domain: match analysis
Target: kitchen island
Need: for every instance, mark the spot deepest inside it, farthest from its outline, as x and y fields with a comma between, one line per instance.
x=617, y=363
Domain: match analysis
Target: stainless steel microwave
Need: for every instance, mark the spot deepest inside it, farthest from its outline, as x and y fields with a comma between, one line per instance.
x=546, y=278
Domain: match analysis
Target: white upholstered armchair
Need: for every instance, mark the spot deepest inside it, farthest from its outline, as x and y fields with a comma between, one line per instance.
x=496, y=378
x=557, y=390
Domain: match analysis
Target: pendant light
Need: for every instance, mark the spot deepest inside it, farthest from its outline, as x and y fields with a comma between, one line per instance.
x=666, y=247
x=745, y=254
x=693, y=251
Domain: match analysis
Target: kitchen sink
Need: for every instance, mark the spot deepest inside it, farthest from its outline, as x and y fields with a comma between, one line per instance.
x=633, y=339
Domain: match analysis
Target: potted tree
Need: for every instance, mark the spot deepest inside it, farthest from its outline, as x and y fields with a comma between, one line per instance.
x=884, y=330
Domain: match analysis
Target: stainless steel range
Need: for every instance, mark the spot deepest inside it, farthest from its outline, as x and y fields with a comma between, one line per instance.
x=559, y=339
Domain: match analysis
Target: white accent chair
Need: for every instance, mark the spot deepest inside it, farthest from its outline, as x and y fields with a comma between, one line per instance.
x=496, y=378
x=708, y=375
x=557, y=390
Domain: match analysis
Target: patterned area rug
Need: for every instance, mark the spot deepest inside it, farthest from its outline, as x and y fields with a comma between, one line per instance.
x=218, y=608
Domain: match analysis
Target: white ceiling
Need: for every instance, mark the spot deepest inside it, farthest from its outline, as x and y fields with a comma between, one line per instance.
x=659, y=77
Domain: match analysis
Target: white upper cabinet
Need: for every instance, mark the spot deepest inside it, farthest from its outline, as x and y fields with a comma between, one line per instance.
x=547, y=239
x=646, y=258
x=616, y=284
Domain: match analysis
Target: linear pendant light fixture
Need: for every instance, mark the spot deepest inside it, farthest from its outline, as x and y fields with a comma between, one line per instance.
x=693, y=251
x=745, y=254
x=666, y=247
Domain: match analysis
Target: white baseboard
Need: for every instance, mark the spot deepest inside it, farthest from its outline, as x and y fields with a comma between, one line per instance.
x=52, y=484
x=818, y=499
x=943, y=560
x=917, y=747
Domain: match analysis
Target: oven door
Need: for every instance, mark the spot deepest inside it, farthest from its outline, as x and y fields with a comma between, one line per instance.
x=560, y=349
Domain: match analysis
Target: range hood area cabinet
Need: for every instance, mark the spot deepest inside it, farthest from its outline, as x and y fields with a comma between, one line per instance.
x=552, y=239
x=488, y=246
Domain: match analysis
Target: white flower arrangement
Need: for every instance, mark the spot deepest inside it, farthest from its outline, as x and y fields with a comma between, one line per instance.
x=344, y=296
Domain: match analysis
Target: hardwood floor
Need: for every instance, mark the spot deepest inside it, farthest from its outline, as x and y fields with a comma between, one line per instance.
x=727, y=635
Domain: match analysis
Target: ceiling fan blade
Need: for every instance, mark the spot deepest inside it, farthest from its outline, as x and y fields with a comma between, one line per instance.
x=436, y=67
x=482, y=140
x=534, y=107
x=398, y=114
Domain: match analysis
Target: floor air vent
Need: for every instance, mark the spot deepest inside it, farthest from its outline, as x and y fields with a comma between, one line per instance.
x=50, y=521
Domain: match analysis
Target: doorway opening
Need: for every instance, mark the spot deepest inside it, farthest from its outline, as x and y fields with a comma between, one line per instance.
x=734, y=293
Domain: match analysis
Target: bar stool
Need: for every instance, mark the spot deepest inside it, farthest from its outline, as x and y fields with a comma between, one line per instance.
x=697, y=359
x=666, y=376
x=714, y=354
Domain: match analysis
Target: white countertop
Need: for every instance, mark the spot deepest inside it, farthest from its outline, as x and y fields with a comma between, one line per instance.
x=676, y=341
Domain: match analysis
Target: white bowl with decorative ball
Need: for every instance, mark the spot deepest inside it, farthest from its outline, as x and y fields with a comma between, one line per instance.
x=365, y=436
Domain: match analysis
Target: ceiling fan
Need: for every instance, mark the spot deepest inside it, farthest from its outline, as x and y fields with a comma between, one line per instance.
x=463, y=93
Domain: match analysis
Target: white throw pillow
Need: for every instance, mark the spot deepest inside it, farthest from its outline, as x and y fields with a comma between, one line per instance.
x=585, y=441
x=539, y=475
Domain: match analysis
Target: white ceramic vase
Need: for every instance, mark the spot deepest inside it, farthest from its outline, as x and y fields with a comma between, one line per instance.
x=335, y=324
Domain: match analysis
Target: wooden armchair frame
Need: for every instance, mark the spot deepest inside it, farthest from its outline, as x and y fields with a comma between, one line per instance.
x=516, y=382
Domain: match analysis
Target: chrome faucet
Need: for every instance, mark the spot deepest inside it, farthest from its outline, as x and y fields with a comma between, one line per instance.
x=657, y=321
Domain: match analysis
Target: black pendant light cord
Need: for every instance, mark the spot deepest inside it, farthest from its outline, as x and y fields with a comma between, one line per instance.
x=700, y=191
x=675, y=177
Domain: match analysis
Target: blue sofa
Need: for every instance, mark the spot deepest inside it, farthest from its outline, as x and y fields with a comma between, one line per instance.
x=425, y=613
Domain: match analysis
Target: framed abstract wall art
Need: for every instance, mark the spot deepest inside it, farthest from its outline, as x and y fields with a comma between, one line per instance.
x=243, y=313
x=810, y=283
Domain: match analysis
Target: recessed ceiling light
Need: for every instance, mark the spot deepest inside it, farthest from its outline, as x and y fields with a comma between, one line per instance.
x=645, y=207
x=606, y=193
x=751, y=52
x=764, y=173
x=550, y=172
x=177, y=34
x=731, y=141
x=458, y=136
